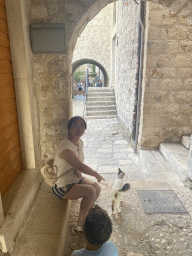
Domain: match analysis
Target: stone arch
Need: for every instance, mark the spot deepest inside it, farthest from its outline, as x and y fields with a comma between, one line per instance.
x=80, y=62
x=91, y=11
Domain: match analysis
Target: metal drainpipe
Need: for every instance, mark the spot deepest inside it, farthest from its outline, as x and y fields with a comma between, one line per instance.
x=140, y=71
x=86, y=89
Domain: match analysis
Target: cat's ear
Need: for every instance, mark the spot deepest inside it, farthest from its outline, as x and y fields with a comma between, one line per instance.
x=119, y=171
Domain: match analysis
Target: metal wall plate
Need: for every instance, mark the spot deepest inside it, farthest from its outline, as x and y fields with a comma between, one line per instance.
x=47, y=38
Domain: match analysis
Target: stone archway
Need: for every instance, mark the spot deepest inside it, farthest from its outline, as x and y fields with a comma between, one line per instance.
x=78, y=63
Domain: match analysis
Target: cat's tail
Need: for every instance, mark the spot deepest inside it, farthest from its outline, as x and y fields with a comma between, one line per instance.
x=125, y=187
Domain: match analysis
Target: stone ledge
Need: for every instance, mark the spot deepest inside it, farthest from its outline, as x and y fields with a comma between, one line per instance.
x=177, y=156
x=36, y=221
x=16, y=203
x=186, y=141
x=45, y=230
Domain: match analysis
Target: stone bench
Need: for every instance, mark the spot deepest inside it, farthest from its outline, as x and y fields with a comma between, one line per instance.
x=36, y=222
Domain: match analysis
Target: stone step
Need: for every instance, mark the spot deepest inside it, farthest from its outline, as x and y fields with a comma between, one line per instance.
x=100, y=103
x=100, y=108
x=177, y=156
x=104, y=98
x=101, y=113
x=100, y=94
x=186, y=141
x=153, y=163
x=100, y=89
x=101, y=117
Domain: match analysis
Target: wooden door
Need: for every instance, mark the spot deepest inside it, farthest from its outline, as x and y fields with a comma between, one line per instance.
x=10, y=149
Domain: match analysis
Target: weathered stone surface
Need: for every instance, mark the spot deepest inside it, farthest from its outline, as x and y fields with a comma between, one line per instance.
x=155, y=47
x=168, y=74
x=187, y=84
x=184, y=72
x=158, y=61
x=185, y=47
x=182, y=60
x=158, y=110
x=183, y=97
x=160, y=72
x=158, y=97
x=161, y=17
x=186, y=109
x=39, y=12
x=178, y=33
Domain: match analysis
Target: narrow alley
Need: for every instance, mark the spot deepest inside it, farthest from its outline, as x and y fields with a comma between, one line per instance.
x=134, y=233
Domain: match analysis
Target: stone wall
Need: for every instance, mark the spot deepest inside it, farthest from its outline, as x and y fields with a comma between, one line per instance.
x=126, y=62
x=95, y=41
x=167, y=82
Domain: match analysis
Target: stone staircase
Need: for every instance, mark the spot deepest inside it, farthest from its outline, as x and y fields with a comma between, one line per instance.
x=170, y=157
x=177, y=154
x=100, y=103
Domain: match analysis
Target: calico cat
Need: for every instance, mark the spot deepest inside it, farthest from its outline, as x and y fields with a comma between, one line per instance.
x=117, y=189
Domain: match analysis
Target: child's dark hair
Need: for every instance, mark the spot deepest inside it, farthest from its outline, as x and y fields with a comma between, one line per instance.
x=73, y=119
x=98, y=226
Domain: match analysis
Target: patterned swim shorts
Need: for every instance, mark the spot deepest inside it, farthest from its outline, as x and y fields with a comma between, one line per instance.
x=60, y=192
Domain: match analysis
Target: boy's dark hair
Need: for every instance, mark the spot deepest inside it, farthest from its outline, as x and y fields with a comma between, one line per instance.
x=98, y=226
x=73, y=119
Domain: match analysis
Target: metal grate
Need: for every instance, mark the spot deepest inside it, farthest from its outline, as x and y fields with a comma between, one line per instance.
x=160, y=201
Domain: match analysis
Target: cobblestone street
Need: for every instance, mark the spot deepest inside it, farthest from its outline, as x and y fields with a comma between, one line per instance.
x=134, y=233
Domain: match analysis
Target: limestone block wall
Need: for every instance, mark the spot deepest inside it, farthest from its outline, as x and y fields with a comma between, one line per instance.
x=126, y=62
x=95, y=41
x=167, y=96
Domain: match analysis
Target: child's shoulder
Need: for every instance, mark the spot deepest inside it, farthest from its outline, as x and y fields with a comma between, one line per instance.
x=79, y=252
x=110, y=249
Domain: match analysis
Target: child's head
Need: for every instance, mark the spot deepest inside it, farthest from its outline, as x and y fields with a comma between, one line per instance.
x=75, y=119
x=98, y=226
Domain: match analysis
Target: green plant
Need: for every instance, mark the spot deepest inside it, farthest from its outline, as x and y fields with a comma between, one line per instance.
x=92, y=73
x=79, y=75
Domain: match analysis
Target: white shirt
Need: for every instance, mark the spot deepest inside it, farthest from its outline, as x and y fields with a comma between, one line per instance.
x=65, y=170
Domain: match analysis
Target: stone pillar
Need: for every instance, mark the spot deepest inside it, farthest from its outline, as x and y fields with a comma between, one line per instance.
x=53, y=87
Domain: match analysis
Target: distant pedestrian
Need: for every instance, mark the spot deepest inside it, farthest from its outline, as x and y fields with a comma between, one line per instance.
x=75, y=87
x=83, y=88
x=99, y=83
x=79, y=87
